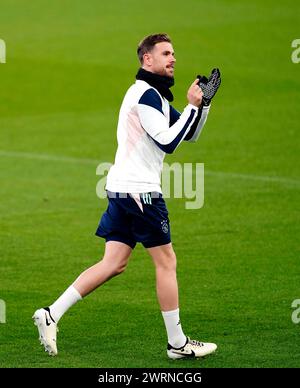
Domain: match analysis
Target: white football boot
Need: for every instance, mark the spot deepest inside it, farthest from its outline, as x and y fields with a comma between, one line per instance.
x=191, y=349
x=47, y=330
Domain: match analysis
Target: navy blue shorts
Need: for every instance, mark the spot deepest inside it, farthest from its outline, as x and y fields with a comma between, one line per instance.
x=128, y=220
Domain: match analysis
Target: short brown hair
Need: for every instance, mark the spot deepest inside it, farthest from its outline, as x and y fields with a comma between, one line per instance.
x=147, y=44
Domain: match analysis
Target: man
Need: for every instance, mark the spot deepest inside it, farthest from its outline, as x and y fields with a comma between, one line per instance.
x=148, y=128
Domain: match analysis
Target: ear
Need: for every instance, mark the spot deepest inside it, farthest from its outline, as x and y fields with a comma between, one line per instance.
x=147, y=59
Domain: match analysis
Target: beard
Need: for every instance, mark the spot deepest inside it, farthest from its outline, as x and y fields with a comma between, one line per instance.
x=165, y=72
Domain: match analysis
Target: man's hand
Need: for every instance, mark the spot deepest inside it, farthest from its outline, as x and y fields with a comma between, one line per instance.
x=194, y=94
x=209, y=86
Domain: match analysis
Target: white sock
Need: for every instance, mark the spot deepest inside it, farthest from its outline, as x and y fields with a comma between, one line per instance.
x=64, y=302
x=176, y=337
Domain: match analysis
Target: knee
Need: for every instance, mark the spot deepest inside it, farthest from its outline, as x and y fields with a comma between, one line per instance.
x=167, y=263
x=114, y=266
x=119, y=268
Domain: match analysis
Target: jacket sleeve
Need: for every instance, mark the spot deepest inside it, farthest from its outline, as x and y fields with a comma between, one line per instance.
x=198, y=124
x=166, y=136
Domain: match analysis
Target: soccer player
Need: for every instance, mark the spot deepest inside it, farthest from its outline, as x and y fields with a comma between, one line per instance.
x=148, y=128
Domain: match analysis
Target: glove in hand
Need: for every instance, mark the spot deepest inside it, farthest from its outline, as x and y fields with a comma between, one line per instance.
x=209, y=86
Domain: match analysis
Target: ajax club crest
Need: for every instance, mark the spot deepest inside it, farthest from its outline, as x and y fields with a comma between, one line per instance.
x=164, y=226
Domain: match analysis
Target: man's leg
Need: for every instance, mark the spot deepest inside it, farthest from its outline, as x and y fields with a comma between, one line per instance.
x=164, y=259
x=179, y=346
x=113, y=263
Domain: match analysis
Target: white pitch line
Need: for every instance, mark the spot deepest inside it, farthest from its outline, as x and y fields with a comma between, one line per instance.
x=264, y=178
x=52, y=158
x=95, y=162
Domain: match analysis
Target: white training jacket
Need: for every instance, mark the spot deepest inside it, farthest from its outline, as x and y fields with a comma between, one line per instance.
x=148, y=128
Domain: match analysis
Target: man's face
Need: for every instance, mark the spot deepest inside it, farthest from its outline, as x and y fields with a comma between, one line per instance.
x=161, y=59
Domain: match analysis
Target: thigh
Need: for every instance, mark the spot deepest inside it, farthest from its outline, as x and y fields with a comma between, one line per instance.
x=163, y=255
x=117, y=252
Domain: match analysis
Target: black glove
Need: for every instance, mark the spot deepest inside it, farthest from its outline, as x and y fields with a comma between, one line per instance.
x=209, y=86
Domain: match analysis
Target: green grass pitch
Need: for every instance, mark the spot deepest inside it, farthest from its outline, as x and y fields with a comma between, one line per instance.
x=68, y=66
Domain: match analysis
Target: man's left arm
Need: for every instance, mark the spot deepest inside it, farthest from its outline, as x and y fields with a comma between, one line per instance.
x=209, y=88
x=197, y=126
